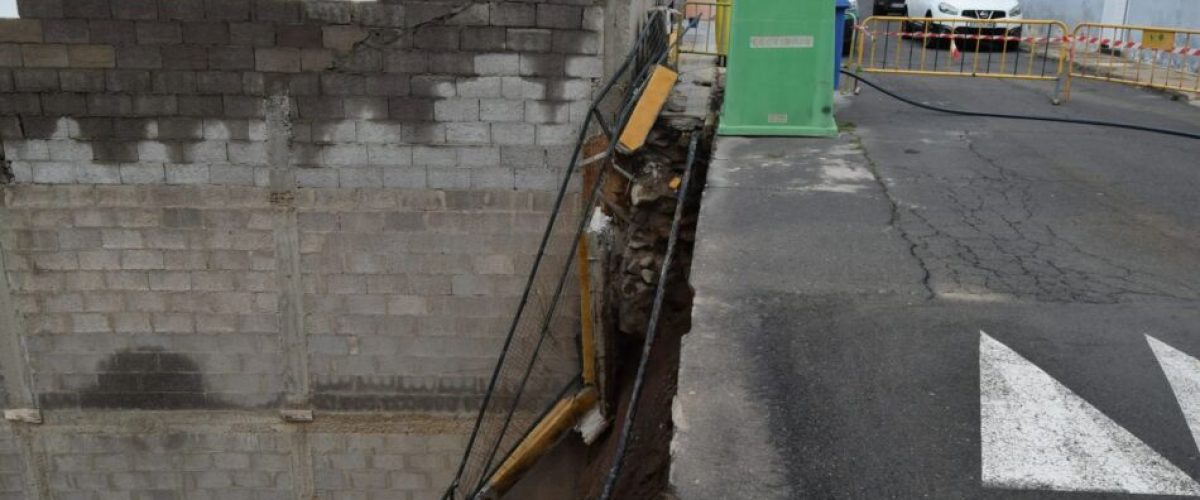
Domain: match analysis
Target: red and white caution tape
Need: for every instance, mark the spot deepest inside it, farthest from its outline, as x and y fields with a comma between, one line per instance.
x=1129, y=44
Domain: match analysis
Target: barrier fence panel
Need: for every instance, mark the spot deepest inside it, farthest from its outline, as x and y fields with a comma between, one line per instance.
x=1144, y=56
x=996, y=48
x=710, y=33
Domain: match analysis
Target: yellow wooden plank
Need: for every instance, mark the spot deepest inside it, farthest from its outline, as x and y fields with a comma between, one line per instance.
x=649, y=105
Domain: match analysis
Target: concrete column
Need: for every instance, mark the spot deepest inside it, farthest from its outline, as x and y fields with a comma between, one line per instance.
x=287, y=251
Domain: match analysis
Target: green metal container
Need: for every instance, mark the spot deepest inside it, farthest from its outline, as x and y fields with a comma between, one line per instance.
x=780, y=70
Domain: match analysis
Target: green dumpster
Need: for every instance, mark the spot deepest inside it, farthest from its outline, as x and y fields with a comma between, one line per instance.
x=780, y=69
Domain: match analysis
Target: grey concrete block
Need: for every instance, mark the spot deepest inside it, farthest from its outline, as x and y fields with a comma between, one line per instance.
x=513, y=14
x=389, y=155
x=497, y=64
x=484, y=39
x=408, y=177
x=360, y=177
x=512, y=134
x=530, y=40
x=456, y=110
x=158, y=33
x=492, y=178
x=147, y=173
x=485, y=86
x=501, y=110
x=559, y=16
x=468, y=133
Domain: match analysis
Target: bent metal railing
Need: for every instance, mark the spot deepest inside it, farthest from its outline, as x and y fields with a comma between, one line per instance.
x=530, y=375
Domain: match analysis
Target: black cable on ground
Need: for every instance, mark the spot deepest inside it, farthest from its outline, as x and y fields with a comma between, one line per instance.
x=614, y=473
x=1072, y=121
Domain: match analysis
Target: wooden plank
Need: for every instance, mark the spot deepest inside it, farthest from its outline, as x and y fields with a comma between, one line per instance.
x=649, y=105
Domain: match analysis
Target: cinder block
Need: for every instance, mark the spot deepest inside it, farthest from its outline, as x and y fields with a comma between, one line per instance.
x=231, y=175
x=206, y=33
x=530, y=40
x=468, y=133
x=479, y=156
x=409, y=62
x=436, y=38
x=70, y=150
x=440, y=178
x=181, y=10
x=87, y=8
x=388, y=155
x=316, y=60
x=342, y=37
x=231, y=58
x=227, y=10
x=486, y=86
x=155, y=105
x=345, y=154
x=140, y=10
x=128, y=81
x=435, y=156
x=276, y=12
x=513, y=87
x=456, y=110
x=317, y=177
x=386, y=85
x=65, y=30
x=452, y=63
x=40, y=9
x=513, y=14
x=497, y=64
x=547, y=112
x=492, y=178
x=407, y=177
x=252, y=34
x=576, y=42
x=36, y=80
x=186, y=174
x=484, y=39
x=158, y=33
x=511, y=134
x=342, y=84
x=82, y=80
x=370, y=14
x=44, y=56
x=360, y=177
x=584, y=67
x=475, y=15
x=501, y=110
x=142, y=57
x=149, y=173
x=284, y=60
x=559, y=16
x=434, y=86
x=247, y=153
x=20, y=31
x=53, y=172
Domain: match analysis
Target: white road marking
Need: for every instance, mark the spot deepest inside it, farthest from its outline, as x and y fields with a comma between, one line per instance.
x=1039, y=435
x=1183, y=372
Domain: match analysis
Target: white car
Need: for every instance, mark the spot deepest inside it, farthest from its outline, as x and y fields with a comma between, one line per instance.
x=956, y=9
x=947, y=16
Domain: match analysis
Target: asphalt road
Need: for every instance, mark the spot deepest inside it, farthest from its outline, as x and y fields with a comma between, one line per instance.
x=933, y=306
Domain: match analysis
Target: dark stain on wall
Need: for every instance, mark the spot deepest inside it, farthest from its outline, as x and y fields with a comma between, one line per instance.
x=145, y=379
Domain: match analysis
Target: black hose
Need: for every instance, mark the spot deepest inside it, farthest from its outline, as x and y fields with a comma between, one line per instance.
x=614, y=472
x=1073, y=121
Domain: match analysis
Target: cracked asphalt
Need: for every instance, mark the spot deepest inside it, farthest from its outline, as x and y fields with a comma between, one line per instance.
x=841, y=285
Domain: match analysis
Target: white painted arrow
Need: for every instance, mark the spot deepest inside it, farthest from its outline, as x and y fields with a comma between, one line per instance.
x=1183, y=372
x=1039, y=435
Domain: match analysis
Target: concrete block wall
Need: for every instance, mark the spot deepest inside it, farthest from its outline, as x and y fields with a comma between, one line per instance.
x=227, y=207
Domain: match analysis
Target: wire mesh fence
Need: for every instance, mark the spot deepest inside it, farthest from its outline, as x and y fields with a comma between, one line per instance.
x=539, y=362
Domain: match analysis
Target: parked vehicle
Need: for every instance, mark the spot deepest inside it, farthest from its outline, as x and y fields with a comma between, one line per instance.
x=939, y=13
x=890, y=8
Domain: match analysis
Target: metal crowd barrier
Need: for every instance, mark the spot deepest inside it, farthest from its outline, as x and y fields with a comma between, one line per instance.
x=710, y=35
x=1143, y=56
x=993, y=48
